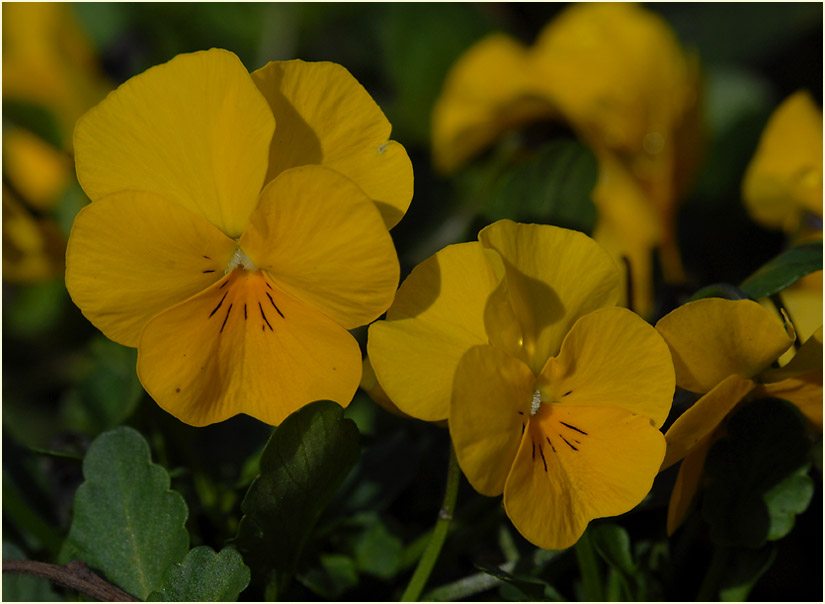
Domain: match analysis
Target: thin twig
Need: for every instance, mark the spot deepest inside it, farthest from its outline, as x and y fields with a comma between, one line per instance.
x=75, y=575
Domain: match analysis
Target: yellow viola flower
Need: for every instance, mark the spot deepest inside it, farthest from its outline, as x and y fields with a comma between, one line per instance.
x=32, y=247
x=616, y=74
x=553, y=394
x=724, y=350
x=783, y=182
x=237, y=281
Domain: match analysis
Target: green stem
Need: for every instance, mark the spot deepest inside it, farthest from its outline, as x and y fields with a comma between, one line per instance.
x=589, y=569
x=709, y=591
x=442, y=525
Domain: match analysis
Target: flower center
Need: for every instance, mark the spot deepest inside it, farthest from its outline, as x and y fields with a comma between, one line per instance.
x=239, y=258
x=536, y=403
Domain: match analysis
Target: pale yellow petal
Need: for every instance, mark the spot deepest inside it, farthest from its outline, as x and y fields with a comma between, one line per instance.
x=554, y=276
x=132, y=255
x=326, y=117
x=437, y=316
x=612, y=357
x=243, y=346
x=713, y=338
x=194, y=130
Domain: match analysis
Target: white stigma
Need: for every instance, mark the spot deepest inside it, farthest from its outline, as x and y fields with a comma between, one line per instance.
x=239, y=258
x=536, y=403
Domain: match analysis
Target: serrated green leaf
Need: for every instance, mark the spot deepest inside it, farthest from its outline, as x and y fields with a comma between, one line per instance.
x=554, y=186
x=204, y=576
x=25, y=588
x=531, y=587
x=765, y=444
x=304, y=463
x=127, y=523
x=787, y=268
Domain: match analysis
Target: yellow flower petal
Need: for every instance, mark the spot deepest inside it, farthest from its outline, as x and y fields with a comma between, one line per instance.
x=243, y=346
x=784, y=177
x=554, y=276
x=576, y=464
x=323, y=242
x=326, y=117
x=132, y=255
x=628, y=229
x=808, y=358
x=713, y=338
x=703, y=417
x=37, y=171
x=687, y=483
x=804, y=391
x=612, y=357
x=487, y=91
x=194, y=130
x=437, y=316
x=369, y=384
x=492, y=394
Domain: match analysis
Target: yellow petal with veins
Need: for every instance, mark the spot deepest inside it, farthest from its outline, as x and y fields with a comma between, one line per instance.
x=244, y=346
x=132, y=255
x=490, y=407
x=324, y=242
x=576, y=464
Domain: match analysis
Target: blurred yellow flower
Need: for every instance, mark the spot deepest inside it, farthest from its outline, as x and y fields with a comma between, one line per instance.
x=554, y=395
x=616, y=74
x=724, y=349
x=238, y=228
x=782, y=189
x=47, y=63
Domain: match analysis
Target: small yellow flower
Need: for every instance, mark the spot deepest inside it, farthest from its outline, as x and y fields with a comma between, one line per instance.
x=237, y=230
x=616, y=74
x=724, y=349
x=554, y=395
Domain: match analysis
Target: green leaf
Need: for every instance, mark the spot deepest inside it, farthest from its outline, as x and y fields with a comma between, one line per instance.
x=107, y=396
x=304, y=463
x=742, y=572
x=787, y=268
x=204, y=576
x=127, y=522
x=720, y=290
x=336, y=575
x=534, y=589
x=378, y=551
x=613, y=544
x=24, y=588
x=553, y=186
x=787, y=499
x=750, y=497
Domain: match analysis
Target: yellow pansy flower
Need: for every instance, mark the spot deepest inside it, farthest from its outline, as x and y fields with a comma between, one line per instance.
x=237, y=230
x=724, y=349
x=616, y=74
x=553, y=394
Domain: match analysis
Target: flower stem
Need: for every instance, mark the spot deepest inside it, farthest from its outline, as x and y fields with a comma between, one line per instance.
x=445, y=516
x=589, y=569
